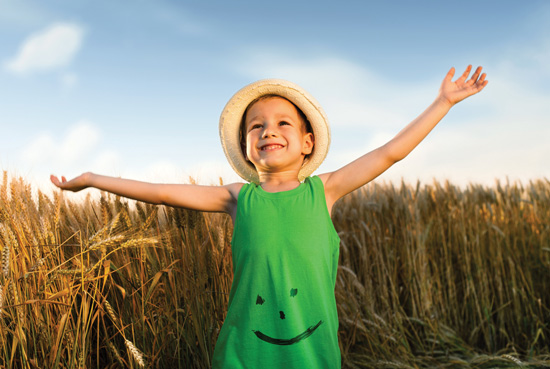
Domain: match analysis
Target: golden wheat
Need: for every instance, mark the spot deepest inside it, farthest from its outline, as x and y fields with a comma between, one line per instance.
x=136, y=354
x=429, y=276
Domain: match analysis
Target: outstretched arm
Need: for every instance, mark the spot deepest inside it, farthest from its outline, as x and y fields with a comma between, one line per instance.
x=204, y=198
x=371, y=165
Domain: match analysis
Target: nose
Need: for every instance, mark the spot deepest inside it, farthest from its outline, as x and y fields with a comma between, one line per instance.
x=269, y=131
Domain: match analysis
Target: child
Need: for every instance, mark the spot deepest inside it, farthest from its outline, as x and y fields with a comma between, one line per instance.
x=282, y=308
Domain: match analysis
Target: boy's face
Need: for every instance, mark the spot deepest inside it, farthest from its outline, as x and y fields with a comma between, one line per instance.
x=276, y=136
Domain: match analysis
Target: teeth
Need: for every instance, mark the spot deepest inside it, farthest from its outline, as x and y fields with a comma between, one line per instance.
x=271, y=147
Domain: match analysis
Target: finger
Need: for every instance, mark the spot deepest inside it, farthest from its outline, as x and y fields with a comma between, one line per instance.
x=480, y=84
x=482, y=78
x=475, y=75
x=450, y=74
x=56, y=181
x=63, y=179
x=465, y=74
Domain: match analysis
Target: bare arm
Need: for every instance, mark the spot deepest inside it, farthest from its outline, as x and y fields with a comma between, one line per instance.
x=204, y=198
x=374, y=163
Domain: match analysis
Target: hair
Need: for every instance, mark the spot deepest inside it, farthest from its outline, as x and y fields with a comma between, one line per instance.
x=242, y=130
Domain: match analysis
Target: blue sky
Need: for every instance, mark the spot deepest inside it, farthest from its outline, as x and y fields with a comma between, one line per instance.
x=135, y=88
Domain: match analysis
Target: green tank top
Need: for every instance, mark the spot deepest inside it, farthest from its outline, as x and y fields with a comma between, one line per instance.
x=282, y=308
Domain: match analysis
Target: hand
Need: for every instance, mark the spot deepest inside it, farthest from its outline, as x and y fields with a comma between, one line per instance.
x=453, y=92
x=76, y=184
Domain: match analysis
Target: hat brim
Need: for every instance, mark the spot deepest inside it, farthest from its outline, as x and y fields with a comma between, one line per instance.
x=231, y=117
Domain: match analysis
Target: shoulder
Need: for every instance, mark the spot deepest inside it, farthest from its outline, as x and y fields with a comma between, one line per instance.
x=230, y=197
x=331, y=192
x=315, y=181
x=233, y=189
x=324, y=178
x=338, y=183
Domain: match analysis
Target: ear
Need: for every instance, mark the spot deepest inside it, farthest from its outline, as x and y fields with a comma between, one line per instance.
x=308, y=142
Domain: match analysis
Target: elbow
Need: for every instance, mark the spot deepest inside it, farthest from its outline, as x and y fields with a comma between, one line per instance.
x=392, y=154
x=397, y=158
x=159, y=196
x=162, y=199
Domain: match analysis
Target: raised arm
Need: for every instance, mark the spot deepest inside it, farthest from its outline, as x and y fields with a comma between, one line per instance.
x=374, y=163
x=204, y=198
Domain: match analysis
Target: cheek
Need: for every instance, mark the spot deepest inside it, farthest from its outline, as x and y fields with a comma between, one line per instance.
x=247, y=147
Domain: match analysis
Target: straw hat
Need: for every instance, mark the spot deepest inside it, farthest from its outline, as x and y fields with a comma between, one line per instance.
x=231, y=117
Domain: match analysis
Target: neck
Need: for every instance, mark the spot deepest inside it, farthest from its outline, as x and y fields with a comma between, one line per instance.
x=277, y=182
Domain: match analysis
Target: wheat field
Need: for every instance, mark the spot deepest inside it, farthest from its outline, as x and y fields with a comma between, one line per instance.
x=430, y=276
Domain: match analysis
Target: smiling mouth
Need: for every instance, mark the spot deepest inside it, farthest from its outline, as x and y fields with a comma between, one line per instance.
x=271, y=147
x=285, y=342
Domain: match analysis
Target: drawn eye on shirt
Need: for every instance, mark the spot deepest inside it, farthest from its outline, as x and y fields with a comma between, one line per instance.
x=285, y=341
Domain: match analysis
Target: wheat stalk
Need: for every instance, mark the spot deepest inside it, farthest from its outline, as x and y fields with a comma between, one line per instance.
x=4, y=189
x=152, y=216
x=106, y=213
x=135, y=242
x=115, y=352
x=71, y=271
x=15, y=296
x=127, y=219
x=136, y=354
x=405, y=253
x=115, y=222
x=6, y=260
x=5, y=267
x=111, y=241
x=35, y=267
x=110, y=311
x=9, y=238
x=513, y=359
x=1, y=298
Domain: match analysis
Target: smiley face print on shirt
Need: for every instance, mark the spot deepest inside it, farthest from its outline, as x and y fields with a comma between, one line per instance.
x=285, y=341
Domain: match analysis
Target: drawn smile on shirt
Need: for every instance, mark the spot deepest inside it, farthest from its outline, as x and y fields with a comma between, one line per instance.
x=290, y=341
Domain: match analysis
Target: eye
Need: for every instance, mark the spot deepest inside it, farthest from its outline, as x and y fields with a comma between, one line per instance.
x=284, y=123
x=255, y=126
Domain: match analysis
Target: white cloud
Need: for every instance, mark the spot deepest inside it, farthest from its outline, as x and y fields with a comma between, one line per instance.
x=503, y=132
x=209, y=172
x=80, y=140
x=508, y=139
x=77, y=143
x=53, y=47
x=163, y=171
x=39, y=149
x=350, y=93
x=108, y=161
x=166, y=171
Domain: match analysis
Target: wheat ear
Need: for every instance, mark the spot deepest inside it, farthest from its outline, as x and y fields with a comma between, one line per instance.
x=1, y=298
x=138, y=356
